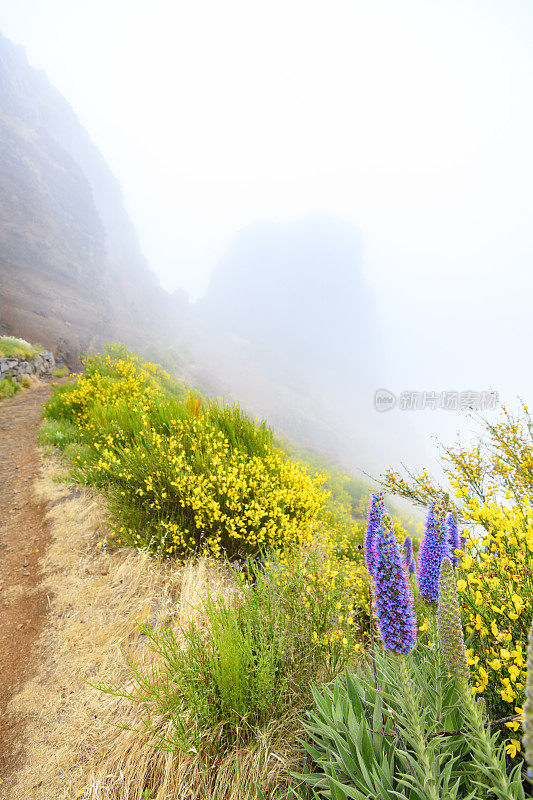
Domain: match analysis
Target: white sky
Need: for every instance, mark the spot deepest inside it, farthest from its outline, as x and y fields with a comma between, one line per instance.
x=413, y=120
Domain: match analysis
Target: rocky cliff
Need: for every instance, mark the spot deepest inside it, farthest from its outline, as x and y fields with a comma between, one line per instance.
x=72, y=274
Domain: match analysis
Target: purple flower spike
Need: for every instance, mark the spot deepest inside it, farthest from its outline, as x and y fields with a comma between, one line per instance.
x=393, y=603
x=454, y=540
x=374, y=520
x=433, y=549
x=409, y=560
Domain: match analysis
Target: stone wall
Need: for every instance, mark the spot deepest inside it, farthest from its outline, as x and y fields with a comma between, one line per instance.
x=16, y=368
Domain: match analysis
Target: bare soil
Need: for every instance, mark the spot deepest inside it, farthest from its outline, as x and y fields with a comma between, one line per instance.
x=24, y=537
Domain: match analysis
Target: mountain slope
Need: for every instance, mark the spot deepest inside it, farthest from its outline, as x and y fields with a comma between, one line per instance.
x=72, y=274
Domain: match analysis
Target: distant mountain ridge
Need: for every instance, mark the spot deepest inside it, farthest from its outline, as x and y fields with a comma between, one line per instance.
x=72, y=274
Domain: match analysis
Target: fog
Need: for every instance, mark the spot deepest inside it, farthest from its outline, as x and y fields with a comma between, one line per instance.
x=408, y=124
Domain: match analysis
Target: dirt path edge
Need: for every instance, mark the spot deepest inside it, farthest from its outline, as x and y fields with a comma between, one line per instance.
x=24, y=538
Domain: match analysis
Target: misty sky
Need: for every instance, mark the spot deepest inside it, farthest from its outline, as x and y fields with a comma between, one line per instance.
x=411, y=120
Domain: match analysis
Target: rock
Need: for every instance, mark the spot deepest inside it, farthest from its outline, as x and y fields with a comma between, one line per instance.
x=37, y=365
x=7, y=365
x=42, y=364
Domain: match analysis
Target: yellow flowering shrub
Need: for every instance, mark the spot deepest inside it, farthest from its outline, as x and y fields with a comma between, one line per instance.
x=180, y=476
x=496, y=588
x=490, y=490
x=189, y=489
x=114, y=378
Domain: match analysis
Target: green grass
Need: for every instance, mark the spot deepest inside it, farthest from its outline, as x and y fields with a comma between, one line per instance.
x=11, y=347
x=8, y=388
x=220, y=684
x=216, y=688
x=55, y=407
x=58, y=433
x=60, y=372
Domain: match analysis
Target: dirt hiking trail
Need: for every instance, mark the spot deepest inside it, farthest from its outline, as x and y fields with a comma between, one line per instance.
x=24, y=537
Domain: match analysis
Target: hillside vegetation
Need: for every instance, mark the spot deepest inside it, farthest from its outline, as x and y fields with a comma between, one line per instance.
x=282, y=684
x=11, y=347
x=185, y=476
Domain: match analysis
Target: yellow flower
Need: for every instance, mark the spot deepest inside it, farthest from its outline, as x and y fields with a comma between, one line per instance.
x=507, y=695
x=514, y=725
x=461, y=585
x=513, y=747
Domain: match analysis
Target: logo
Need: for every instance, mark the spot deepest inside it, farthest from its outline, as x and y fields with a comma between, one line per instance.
x=384, y=400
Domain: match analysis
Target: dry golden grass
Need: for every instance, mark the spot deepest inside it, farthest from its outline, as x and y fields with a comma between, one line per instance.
x=96, y=599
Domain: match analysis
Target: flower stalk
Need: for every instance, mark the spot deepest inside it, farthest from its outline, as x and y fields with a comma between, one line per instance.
x=449, y=625
x=393, y=602
x=375, y=513
x=491, y=764
x=433, y=549
x=454, y=540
